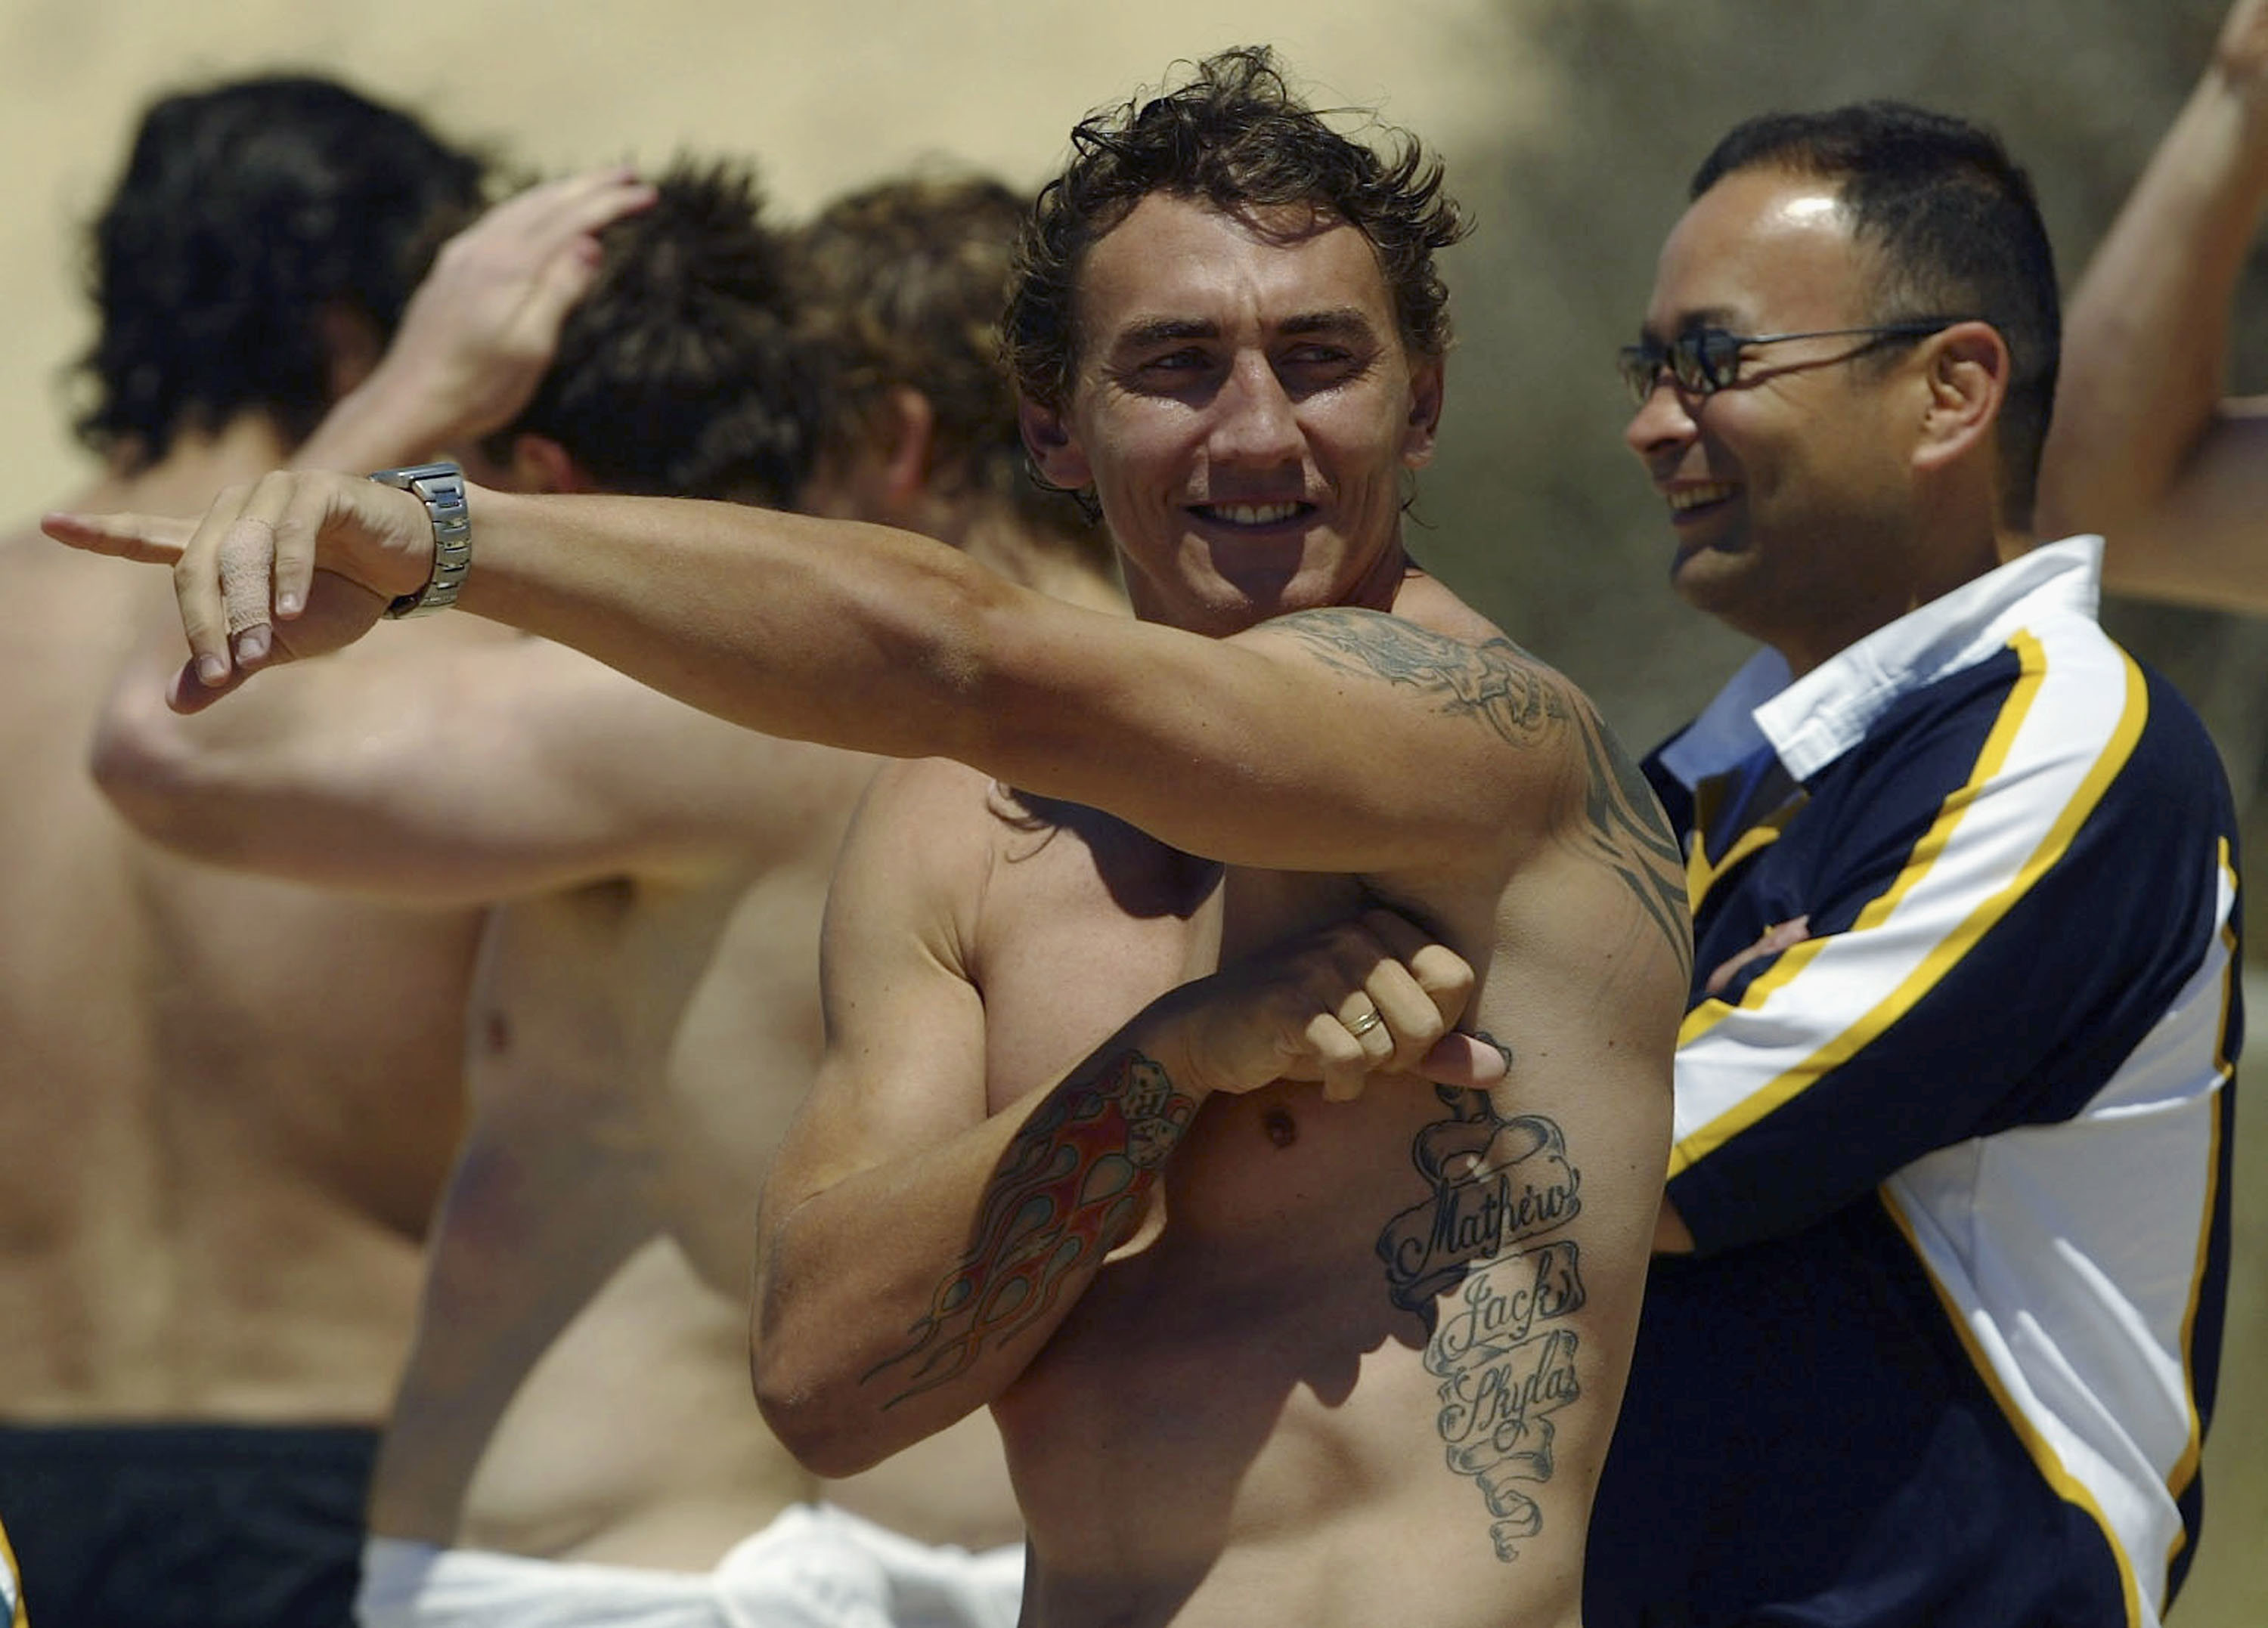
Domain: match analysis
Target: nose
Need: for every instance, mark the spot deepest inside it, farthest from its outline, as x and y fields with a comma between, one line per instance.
x=1256, y=424
x=1661, y=423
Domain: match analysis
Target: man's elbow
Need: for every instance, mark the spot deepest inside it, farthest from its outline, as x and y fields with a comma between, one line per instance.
x=806, y=1409
x=144, y=772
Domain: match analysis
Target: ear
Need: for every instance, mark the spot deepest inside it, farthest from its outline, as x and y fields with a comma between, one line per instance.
x=1964, y=374
x=1424, y=421
x=1055, y=450
x=539, y=464
x=910, y=444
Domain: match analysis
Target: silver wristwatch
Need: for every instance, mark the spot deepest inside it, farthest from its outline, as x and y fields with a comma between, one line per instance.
x=441, y=489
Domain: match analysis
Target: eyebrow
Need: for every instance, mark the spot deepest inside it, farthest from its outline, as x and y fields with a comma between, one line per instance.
x=1162, y=331
x=1705, y=316
x=1347, y=319
x=1337, y=320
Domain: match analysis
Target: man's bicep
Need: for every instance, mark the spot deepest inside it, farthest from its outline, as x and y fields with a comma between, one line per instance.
x=468, y=775
x=904, y=1063
x=1336, y=740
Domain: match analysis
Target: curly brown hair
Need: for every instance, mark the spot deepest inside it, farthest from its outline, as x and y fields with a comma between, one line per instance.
x=903, y=283
x=1237, y=137
x=681, y=374
x=247, y=212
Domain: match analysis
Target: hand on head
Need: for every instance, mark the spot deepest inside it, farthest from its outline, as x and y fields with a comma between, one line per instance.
x=484, y=326
x=292, y=566
x=1372, y=996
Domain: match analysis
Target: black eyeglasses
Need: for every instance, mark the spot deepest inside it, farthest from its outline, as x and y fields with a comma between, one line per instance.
x=1703, y=360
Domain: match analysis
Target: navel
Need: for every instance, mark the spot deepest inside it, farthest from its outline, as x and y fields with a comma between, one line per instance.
x=1282, y=1128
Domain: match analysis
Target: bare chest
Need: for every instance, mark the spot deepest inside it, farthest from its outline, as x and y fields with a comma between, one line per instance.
x=1083, y=922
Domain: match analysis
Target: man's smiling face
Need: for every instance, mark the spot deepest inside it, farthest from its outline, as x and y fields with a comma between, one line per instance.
x=1244, y=406
x=1788, y=490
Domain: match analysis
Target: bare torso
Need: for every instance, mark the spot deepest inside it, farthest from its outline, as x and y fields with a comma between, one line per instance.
x=1244, y=1416
x=579, y=1388
x=215, y=1172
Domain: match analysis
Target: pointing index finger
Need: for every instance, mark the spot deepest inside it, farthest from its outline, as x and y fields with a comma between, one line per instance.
x=152, y=539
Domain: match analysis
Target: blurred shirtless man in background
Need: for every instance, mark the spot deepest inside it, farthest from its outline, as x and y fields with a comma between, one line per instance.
x=215, y=1174
x=574, y=1436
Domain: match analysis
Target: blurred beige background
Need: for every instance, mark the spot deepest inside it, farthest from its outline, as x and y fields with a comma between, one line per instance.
x=1569, y=124
x=826, y=94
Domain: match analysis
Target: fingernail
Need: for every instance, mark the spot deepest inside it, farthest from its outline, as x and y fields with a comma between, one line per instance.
x=287, y=605
x=251, y=645
x=211, y=670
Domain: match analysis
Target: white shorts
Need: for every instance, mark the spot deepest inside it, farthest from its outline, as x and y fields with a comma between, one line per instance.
x=815, y=1566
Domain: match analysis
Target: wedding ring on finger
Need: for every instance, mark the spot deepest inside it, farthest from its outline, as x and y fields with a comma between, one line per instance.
x=1360, y=1026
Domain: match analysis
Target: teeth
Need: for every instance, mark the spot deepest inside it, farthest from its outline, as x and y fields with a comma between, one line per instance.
x=1694, y=497
x=1255, y=514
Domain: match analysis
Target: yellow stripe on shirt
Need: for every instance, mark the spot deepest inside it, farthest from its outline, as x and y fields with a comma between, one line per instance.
x=1947, y=952
x=14, y=1582
x=2186, y=1468
x=2066, y=1485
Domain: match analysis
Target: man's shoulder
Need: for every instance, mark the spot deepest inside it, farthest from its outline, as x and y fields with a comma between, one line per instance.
x=2055, y=727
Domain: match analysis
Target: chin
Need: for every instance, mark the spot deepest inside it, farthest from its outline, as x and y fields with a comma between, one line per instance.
x=1710, y=581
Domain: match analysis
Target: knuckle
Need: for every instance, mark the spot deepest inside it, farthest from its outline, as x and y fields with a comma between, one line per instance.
x=1437, y=967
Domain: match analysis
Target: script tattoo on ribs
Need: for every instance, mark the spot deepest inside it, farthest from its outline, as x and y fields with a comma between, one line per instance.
x=1501, y=1187
x=1527, y=705
x=1069, y=1188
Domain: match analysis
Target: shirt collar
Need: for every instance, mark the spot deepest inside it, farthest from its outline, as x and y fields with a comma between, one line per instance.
x=1817, y=718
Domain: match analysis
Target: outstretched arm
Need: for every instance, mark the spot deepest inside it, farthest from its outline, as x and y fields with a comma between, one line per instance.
x=1337, y=740
x=2143, y=449
x=460, y=764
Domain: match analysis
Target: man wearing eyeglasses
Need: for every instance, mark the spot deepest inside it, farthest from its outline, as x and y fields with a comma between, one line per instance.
x=1931, y=1329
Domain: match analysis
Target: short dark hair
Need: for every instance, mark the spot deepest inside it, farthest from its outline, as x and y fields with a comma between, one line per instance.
x=1235, y=138
x=1958, y=232
x=903, y=285
x=680, y=374
x=247, y=213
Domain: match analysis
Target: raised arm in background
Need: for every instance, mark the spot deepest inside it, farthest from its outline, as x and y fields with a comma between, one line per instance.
x=2143, y=447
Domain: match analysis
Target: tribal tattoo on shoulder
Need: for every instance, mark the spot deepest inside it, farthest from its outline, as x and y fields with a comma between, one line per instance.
x=1499, y=683
x=1527, y=705
x=1502, y=1186
x=1069, y=1189
x=1623, y=829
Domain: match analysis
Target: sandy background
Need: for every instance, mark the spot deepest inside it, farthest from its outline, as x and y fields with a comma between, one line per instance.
x=829, y=95
x=826, y=95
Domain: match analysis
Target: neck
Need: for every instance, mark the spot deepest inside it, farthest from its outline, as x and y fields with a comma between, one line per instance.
x=990, y=534
x=199, y=463
x=1933, y=577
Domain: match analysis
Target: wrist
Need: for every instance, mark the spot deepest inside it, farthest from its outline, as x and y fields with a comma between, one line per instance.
x=2233, y=102
x=440, y=488
x=386, y=419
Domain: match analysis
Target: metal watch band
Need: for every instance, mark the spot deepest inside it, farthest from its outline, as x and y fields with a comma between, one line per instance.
x=441, y=489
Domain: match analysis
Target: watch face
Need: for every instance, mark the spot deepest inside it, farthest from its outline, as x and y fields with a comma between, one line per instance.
x=409, y=474
x=440, y=487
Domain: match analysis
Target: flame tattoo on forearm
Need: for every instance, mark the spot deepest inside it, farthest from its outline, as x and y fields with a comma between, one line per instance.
x=1070, y=1188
